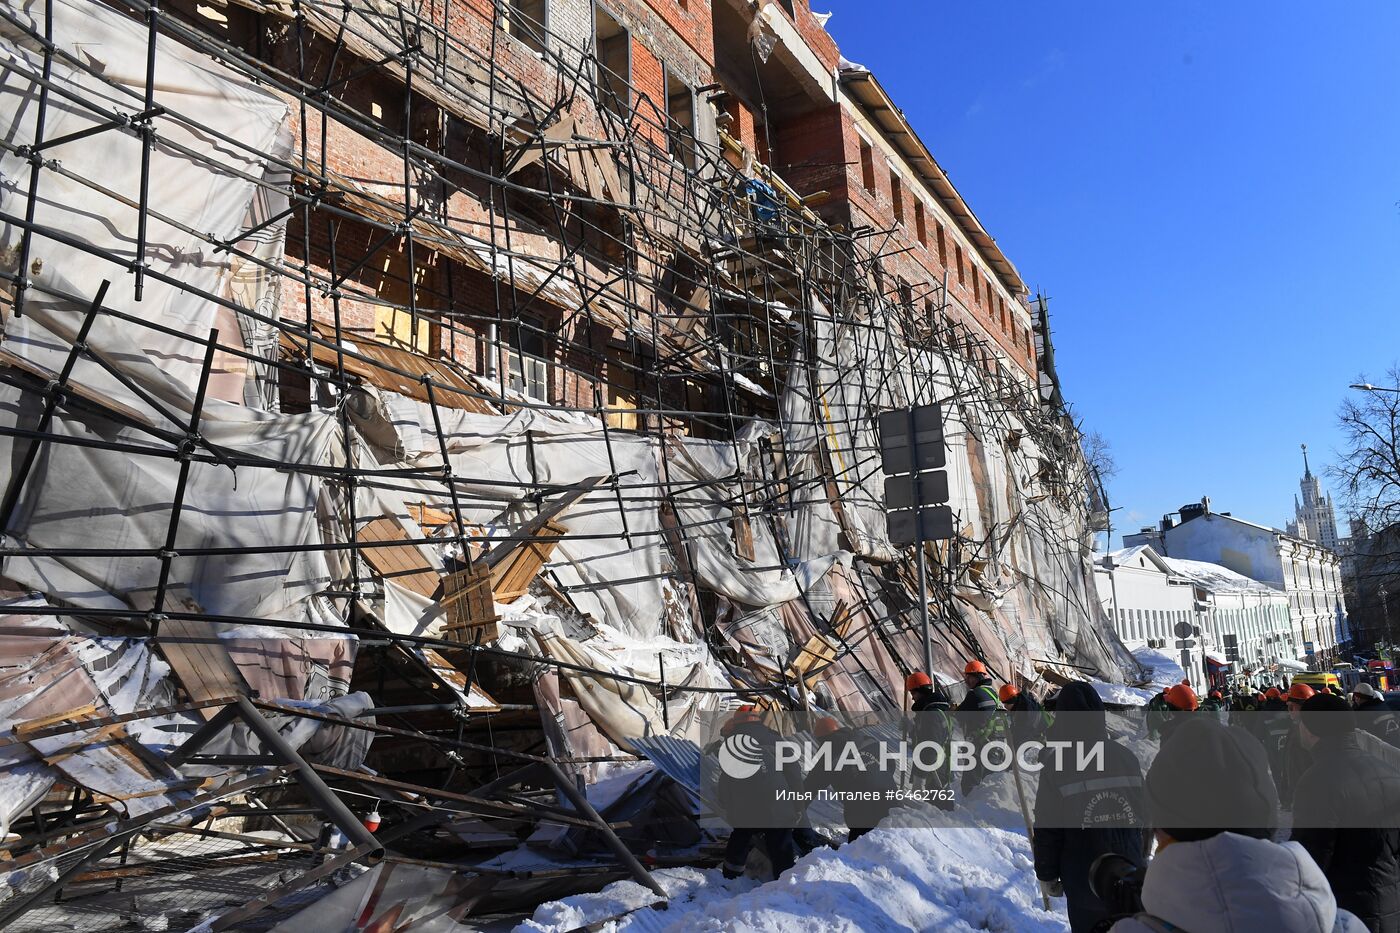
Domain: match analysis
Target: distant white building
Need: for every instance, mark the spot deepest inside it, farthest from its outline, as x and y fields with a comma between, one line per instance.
x=1205, y=616
x=1306, y=572
x=1314, y=519
x=1248, y=624
x=1150, y=603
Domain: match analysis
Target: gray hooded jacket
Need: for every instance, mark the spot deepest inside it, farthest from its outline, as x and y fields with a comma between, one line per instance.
x=1237, y=884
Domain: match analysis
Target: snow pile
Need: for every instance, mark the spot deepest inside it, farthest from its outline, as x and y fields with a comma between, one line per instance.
x=1165, y=670
x=923, y=869
x=1119, y=695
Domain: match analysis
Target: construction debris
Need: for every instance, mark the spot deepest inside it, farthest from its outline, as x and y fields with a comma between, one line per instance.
x=366, y=533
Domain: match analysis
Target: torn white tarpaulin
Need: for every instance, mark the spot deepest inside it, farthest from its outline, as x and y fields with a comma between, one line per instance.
x=51, y=671
x=228, y=123
x=77, y=496
x=702, y=478
x=610, y=560
x=321, y=742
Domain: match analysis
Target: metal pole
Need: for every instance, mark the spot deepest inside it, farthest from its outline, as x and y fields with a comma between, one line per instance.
x=923, y=604
x=919, y=545
x=334, y=808
x=580, y=802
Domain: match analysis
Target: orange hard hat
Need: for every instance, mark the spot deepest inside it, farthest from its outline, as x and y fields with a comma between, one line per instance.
x=1008, y=692
x=975, y=667
x=916, y=680
x=825, y=726
x=1186, y=681
x=1300, y=692
x=1215, y=695
x=1273, y=693
x=742, y=715
x=1181, y=698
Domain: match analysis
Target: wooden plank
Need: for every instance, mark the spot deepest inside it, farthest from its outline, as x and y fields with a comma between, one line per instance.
x=374, y=369
x=478, y=701
x=743, y=534
x=34, y=725
x=200, y=662
x=532, y=527
x=468, y=602
x=510, y=579
x=403, y=564
x=428, y=517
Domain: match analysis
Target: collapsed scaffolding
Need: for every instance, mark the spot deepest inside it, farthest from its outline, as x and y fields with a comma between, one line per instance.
x=272, y=573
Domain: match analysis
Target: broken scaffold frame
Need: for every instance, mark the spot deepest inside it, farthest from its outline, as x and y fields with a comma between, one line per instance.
x=452, y=492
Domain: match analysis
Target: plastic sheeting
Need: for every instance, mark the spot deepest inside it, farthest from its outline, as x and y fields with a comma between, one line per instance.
x=210, y=111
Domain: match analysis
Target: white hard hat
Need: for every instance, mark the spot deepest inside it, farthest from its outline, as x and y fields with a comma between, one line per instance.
x=1366, y=690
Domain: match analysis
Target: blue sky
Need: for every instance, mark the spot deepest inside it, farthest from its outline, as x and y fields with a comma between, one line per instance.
x=1209, y=193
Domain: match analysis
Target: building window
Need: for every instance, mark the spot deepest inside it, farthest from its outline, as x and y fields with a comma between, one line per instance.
x=962, y=277
x=942, y=247
x=906, y=295
x=396, y=326
x=897, y=196
x=614, y=50
x=527, y=20
x=680, y=119
x=527, y=360
x=976, y=287
x=622, y=400
x=920, y=224
x=867, y=167
x=1001, y=305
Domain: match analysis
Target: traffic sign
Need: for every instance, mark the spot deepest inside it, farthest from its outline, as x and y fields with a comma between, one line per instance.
x=936, y=521
x=911, y=440
x=907, y=492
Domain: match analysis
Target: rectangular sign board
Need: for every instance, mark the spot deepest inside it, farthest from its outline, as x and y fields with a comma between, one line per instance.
x=936, y=521
x=904, y=452
x=907, y=492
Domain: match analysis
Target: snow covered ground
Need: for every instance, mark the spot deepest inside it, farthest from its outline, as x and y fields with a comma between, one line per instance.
x=923, y=869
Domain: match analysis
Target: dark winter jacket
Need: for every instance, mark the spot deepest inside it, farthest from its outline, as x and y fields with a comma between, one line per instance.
x=1028, y=719
x=1379, y=720
x=739, y=795
x=1274, y=726
x=1347, y=787
x=931, y=722
x=981, y=699
x=873, y=778
x=1296, y=762
x=1068, y=803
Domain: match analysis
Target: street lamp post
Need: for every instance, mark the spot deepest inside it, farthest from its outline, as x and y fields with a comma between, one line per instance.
x=1367, y=387
x=1385, y=611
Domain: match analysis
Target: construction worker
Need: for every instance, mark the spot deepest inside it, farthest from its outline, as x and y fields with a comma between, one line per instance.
x=1029, y=720
x=1373, y=715
x=1296, y=757
x=1180, y=700
x=1272, y=726
x=932, y=722
x=872, y=781
x=980, y=725
x=1156, y=715
x=737, y=795
x=1078, y=819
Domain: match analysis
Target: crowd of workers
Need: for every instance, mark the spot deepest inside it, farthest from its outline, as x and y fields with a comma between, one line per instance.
x=1286, y=818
